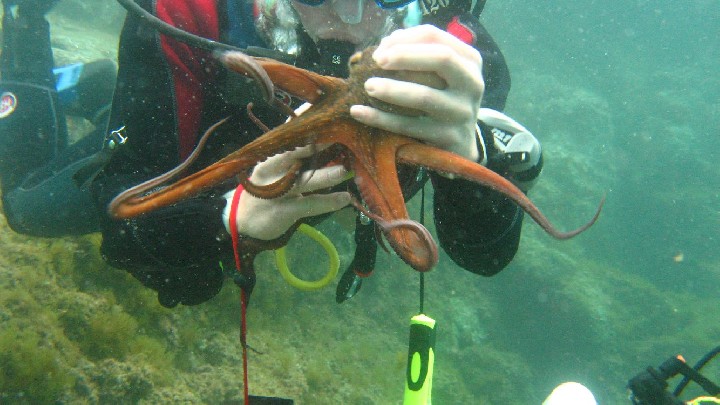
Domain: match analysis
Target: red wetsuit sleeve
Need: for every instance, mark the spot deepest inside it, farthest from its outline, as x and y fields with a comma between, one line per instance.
x=190, y=67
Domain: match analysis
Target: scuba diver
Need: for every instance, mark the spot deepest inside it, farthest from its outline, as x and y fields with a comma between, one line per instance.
x=168, y=93
x=37, y=163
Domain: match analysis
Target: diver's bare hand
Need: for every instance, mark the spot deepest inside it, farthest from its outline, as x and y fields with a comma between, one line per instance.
x=450, y=114
x=268, y=219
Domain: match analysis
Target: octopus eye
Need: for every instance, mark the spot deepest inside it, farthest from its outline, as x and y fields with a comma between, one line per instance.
x=355, y=59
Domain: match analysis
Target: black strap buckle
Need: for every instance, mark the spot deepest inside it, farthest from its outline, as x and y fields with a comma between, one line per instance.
x=116, y=138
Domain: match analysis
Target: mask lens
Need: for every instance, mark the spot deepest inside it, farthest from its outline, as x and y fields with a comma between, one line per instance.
x=382, y=3
x=393, y=3
x=311, y=2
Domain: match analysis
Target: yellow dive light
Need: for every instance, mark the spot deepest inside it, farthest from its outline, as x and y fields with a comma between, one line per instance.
x=421, y=359
x=324, y=242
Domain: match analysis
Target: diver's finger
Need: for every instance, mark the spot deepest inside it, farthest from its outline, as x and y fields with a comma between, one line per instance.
x=277, y=166
x=459, y=72
x=316, y=204
x=281, y=162
x=439, y=104
x=313, y=180
x=429, y=34
x=416, y=127
x=452, y=138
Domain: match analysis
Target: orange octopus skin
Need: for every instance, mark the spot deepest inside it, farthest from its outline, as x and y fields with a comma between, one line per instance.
x=371, y=153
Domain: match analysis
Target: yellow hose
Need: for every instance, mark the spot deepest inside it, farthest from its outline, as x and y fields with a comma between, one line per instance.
x=324, y=242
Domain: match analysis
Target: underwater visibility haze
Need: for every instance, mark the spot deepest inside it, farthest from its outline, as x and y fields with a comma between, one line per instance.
x=623, y=96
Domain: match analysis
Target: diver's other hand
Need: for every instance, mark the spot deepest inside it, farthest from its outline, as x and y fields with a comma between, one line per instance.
x=268, y=219
x=519, y=152
x=450, y=114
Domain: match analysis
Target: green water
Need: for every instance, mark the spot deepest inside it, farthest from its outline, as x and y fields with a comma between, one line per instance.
x=624, y=98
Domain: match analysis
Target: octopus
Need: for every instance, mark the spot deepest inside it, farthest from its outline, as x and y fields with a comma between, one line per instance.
x=372, y=154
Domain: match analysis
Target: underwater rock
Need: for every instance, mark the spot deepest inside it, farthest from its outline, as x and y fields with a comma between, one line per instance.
x=118, y=382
